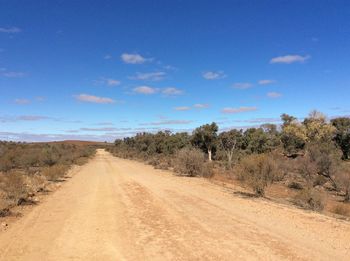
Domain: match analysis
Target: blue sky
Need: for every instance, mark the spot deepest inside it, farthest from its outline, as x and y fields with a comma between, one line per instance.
x=99, y=70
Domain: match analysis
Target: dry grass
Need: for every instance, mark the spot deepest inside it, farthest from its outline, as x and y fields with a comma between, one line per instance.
x=257, y=171
x=310, y=199
x=55, y=172
x=341, y=209
x=189, y=162
x=14, y=187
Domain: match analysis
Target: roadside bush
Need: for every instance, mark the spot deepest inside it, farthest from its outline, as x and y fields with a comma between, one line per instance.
x=310, y=199
x=14, y=187
x=258, y=172
x=81, y=161
x=326, y=158
x=189, y=162
x=208, y=170
x=37, y=183
x=283, y=164
x=340, y=209
x=307, y=169
x=343, y=182
x=295, y=185
x=55, y=172
x=160, y=162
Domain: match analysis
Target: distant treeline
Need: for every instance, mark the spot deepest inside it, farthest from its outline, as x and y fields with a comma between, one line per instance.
x=292, y=137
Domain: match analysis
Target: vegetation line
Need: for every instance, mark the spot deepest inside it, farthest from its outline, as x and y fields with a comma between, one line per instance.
x=308, y=157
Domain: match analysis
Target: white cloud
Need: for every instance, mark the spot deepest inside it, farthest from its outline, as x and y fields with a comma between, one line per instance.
x=4, y=72
x=107, y=81
x=182, y=108
x=10, y=30
x=171, y=91
x=44, y=137
x=274, y=94
x=153, y=76
x=40, y=98
x=291, y=58
x=230, y=110
x=5, y=119
x=133, y=58
x=106, y=123
x=112, y=82
x=170, y=67
x=266, y=82
x=104, y=129
x=13, y=74
x=166, y=122
x=31, y=118
x=22, y=101
x=259, y=120
x=211, y=75
x=242, y=85
x=201, y=106
x=94, y=99
x=145, y=90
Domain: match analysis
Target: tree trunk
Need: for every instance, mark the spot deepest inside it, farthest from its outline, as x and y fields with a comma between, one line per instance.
x=347, y=196
x=229, y=155
x=209, y=154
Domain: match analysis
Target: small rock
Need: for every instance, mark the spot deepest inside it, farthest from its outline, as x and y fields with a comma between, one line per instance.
x=4, y=224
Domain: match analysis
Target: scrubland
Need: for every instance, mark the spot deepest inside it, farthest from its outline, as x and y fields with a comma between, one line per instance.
x=304, y=163
x=29, y=168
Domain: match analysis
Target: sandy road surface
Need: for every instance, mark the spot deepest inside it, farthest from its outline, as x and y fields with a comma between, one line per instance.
x=115, y=209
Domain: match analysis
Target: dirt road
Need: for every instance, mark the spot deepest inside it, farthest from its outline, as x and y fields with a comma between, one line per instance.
x=116, y=209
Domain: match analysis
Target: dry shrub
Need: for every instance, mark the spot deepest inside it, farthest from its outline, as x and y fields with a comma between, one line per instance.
x=4, y=212
x=343, y=181
x=295, y=185
x=208, y=170
x=55, y=172
x=307, y=169
x=37, y=183
x=284, y=165
x=310, y=199
x=257, y=171
x=160, y=162
x=189, y=162
x=340, y=209
x=14, y=187
x=81, y=161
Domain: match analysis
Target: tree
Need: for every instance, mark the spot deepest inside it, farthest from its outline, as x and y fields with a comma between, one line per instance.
x=273, y=135
x=293, y=135
x=342, y=135
x=205, y=137
x=287, y=119
x=231, y=141
x=317, y=128
x=256, y=140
